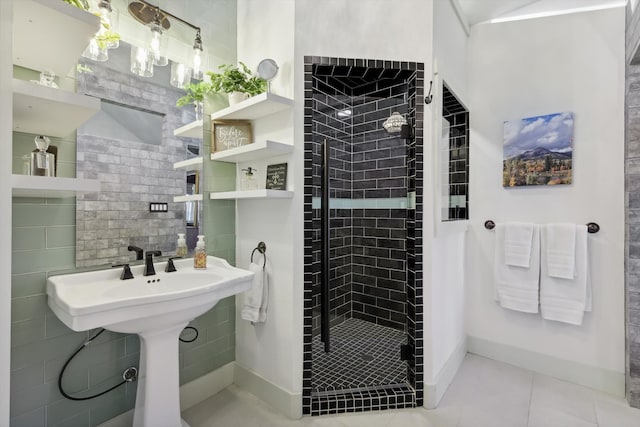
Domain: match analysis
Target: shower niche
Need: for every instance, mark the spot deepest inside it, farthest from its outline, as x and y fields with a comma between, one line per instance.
x=363, y=226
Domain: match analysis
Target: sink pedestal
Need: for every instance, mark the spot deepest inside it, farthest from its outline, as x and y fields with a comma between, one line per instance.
x=158, y=395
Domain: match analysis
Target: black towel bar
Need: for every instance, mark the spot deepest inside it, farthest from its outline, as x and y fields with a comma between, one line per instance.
x=592, y=227
x=262, y=248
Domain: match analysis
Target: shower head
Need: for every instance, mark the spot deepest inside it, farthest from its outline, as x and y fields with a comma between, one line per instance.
x=394, y=123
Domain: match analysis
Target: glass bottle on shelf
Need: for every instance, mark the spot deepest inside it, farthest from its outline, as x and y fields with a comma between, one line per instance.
x=248, y=179
x=42, y=162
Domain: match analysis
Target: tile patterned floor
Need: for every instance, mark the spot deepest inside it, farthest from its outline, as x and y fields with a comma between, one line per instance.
x=362, y=354
x=484, y=393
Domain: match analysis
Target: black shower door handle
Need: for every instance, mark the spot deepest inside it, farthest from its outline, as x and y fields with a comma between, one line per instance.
x=325, y=238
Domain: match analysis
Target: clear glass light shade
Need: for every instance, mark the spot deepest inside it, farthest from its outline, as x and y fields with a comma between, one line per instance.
x=180, y=75
x=94, y=52
x=109, y=20
x=158, y=45
x=394, y=123
x=141, y=61
x=199, y=65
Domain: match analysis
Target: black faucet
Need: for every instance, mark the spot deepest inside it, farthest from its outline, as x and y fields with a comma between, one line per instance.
x=126, y=271
x=148, y=263
x=138, y=251
x=170, y=267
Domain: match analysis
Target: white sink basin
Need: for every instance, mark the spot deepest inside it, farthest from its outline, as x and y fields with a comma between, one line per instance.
x=157, y=308
x=95, y=299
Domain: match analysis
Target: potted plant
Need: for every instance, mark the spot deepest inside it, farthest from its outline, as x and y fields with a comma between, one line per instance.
x=239, y=82
x=195, y=95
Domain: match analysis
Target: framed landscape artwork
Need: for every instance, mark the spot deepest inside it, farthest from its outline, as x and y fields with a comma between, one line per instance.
x=538, y=151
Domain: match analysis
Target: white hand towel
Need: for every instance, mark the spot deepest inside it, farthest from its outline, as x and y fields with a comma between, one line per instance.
x=517, y=287
x=566, y=300
x=518, y=240
x=256, y=298
x=561, y=250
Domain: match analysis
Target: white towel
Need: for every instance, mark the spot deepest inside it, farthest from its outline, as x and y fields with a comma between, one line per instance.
x=561, y=250
x=566, y=300
x=517, y=287
x=257, y=298
x=518, y=240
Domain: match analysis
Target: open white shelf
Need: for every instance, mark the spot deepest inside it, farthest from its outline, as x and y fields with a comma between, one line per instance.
x=189, y=198
x=255, y=107
x=49, y=111
x=252, y=194
x=194, y=164
x=51, y=187
x=50, y=34
x=257, y=150
x=190, y=130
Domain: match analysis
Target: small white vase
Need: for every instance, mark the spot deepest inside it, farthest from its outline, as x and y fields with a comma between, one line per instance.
x=235, y=97
x=199, y=108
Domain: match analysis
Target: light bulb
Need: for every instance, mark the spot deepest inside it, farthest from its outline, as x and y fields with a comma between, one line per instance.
x=158, y=42
x=95, y=53
x=141, y=62
x=197, y=64
x=180, y=75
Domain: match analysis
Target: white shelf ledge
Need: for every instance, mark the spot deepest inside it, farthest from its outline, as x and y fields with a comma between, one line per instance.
x=252, y=194
x=257, y=150
x=50, y=34
x=255, y=107
x=51, y=187
x=49, y=111
x=189, y=198
x=194, y=164
x=190, y=130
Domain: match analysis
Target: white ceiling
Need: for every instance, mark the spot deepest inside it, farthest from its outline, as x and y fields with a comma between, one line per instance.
x=477, y=11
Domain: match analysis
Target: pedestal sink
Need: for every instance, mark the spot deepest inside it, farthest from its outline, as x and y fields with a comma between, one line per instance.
x=157, y=308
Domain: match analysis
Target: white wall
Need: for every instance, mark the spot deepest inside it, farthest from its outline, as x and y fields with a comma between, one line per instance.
x=272, y=350
x=539, y=66
x=6, y=112
x=444, y=258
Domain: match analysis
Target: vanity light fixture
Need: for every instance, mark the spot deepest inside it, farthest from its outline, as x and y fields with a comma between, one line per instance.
x=157, y=20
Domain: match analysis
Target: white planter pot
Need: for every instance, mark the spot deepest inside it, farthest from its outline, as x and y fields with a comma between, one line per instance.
x=235, y=97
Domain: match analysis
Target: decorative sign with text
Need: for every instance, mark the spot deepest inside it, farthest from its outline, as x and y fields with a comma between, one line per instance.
x=228, y=134
x=276, y=177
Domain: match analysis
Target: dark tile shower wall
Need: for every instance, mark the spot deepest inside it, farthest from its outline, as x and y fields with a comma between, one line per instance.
x=386, y=246
x=378, y=267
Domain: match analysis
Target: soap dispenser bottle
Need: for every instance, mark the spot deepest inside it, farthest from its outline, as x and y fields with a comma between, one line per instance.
x=248, y=180
x=181, y=246
x=200, y=258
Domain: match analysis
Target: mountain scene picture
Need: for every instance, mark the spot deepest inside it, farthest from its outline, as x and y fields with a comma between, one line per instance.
x=538, y=150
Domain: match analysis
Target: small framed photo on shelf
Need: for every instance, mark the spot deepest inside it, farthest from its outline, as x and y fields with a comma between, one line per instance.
x=228, y=134
x=276, y=177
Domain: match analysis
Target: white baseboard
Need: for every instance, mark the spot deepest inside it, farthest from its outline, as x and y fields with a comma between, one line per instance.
x=191, y=393
x=590, y=376
x=433, y=392
x=290, y=404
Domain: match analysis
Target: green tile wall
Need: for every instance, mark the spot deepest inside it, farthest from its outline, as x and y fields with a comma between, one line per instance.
x=43, y=240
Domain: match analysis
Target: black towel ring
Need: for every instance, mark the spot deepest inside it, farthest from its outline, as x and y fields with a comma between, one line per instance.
x=262, y=248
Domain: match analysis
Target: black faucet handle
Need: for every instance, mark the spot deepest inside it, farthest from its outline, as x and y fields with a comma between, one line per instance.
x=153, y=253
x=126, y=271
x=170, y=266
x=137, y=250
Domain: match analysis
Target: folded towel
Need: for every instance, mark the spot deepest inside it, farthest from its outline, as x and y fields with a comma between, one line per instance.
x=518, y=239
x=566, y=300
x=561, y=250
x=256, y=298
x=517, y=287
